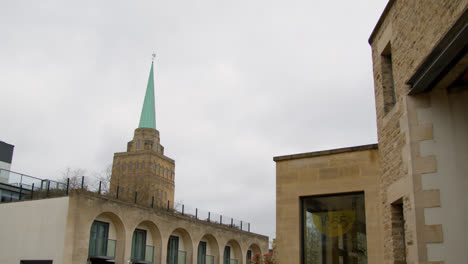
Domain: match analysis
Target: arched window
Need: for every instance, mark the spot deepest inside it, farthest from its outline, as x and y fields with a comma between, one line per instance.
x=136, y=165
x=124, y=166
x=158, y=169
x=143, y=165
x=138, y=144
x=130, y=165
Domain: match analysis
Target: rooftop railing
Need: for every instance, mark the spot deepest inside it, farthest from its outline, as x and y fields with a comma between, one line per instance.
x=35, y=188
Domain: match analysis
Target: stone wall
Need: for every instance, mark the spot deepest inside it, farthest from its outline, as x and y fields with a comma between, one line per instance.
x=327, y=172
x=144, y=170
x=411, y=29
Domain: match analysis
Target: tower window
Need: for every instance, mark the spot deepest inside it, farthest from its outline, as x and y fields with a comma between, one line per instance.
x=130, y=165
x=136, y=165
x=124, y=166
x=158, y=169
x=143, y=165
x=156, y=147
x=138, y=144
x=388, y=84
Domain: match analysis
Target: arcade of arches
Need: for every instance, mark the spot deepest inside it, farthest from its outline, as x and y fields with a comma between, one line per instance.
x=106, y=229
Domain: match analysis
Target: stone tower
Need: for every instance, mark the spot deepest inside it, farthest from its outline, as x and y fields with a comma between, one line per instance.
x=143, y=172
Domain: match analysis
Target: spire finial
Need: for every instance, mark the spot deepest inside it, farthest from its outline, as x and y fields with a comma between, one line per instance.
x=154, y=56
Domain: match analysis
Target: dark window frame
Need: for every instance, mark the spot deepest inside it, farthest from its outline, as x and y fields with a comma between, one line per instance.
x=302, y=216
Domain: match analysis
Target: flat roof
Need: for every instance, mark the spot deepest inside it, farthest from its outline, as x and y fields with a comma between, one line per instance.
x=325, y=152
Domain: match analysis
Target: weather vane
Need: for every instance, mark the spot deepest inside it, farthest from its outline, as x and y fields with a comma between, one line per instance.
x=154, y=56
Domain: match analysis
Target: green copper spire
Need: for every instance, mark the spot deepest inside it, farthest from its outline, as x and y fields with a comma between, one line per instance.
x=148, y=116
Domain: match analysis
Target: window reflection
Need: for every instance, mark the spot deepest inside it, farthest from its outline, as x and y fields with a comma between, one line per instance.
x=334, y=229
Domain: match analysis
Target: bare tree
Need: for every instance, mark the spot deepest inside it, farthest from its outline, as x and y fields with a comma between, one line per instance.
x=104, y=177
x=75, y=175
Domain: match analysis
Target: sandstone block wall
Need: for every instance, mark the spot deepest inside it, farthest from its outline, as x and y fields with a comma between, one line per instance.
x=411, y=29
x=328, y=172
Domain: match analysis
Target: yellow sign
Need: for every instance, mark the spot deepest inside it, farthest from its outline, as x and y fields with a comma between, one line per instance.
x=334, y=223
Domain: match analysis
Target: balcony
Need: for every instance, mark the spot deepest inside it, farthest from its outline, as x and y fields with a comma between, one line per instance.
x=148, y=257
x=209, y=259
x=100, y=248
x=181, y=257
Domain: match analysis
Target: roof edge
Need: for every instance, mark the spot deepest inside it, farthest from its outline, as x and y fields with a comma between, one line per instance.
x=325, y=152
x=381, y=19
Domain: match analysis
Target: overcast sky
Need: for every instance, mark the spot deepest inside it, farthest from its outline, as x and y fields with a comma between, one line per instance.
x=236, y=83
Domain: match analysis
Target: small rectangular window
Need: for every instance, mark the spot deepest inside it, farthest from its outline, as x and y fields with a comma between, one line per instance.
x=138, y=144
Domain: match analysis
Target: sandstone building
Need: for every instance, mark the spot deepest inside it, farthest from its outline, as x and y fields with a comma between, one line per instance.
x=135, y=223
x=413, y=184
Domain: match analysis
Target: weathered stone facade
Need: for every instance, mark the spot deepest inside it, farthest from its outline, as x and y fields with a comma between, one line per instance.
x=144, y=171
x=409, y=31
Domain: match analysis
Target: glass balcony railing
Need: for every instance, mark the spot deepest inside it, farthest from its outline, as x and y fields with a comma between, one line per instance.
x=148, y=257
x=209, y=259
x=102, y=248
x=149, y=254
x=181, y=257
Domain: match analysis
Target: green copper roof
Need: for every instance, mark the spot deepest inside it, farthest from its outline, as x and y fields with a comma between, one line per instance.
x=148, y=116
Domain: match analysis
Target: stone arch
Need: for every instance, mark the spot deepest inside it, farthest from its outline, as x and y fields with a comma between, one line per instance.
x=236, y=252
x=155, y=238
x=212, y=247
x=116, y=232
x=255, y=249
x=187, y=243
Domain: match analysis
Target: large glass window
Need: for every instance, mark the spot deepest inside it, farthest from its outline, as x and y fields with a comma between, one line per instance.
x=227, y=255
x=173, y=250
x=98, y=239
x=138, y=245
x=334, y=229
x=201, y=253
x=249, y=255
